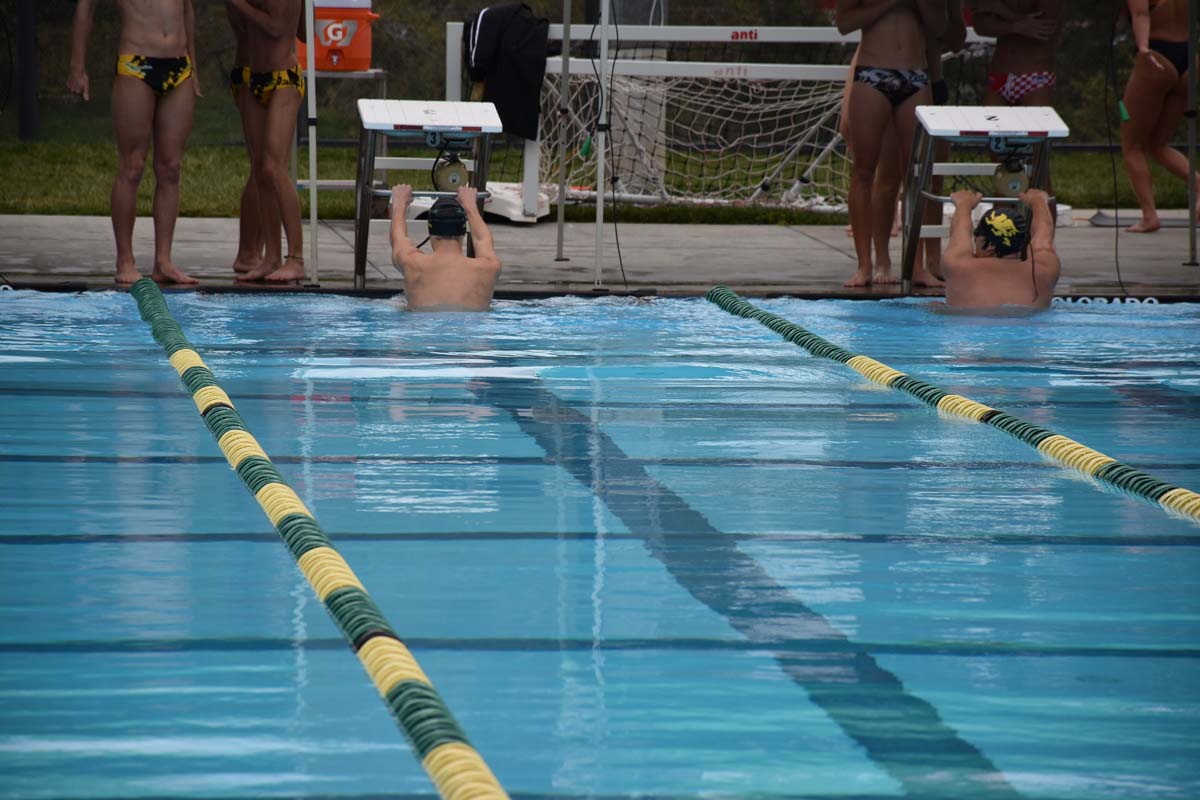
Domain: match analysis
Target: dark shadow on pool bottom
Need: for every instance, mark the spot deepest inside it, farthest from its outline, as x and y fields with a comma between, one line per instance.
x=899, y=731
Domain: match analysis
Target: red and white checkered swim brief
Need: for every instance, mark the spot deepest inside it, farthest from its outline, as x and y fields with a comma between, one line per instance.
x=1012, y=86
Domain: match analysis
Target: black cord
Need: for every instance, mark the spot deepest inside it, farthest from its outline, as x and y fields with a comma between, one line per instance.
x=437, y=160
x=612, y=161
x=5, y=281
x=1111, y=74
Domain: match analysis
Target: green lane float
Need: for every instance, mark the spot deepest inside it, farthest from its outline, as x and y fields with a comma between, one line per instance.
x=1063, y=450
x=457, y=769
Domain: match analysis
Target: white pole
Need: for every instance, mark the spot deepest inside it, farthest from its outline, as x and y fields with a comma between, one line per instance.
x=564, y=86
x=601, y=136
x=310, y=50
x=1193, y=14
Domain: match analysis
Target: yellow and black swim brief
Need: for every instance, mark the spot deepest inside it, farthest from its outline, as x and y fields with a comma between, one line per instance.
x=160, y=74
x=264, y=84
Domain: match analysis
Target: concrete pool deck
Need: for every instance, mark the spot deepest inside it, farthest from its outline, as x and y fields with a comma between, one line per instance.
x=76, y=254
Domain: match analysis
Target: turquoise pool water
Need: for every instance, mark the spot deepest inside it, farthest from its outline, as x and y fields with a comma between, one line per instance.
x=642, y=550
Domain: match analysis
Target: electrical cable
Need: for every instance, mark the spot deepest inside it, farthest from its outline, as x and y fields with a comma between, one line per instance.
x=612, y=76
x=1111, y=74
x=608, y=130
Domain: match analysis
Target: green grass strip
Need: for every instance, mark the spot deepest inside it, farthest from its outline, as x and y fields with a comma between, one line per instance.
x=1121, y=476
x=417, y=707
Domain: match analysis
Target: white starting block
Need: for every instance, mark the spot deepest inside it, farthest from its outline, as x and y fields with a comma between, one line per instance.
x=1022, y=132
x=449, y=127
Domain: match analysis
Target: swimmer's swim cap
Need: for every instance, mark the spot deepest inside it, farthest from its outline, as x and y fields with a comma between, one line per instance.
x=1003, y=231
x=447, y=218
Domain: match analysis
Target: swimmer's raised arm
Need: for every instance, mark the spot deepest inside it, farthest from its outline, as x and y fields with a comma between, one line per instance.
x=1041, y=233
x=403, y=250
x=961, y=246
x=481, y=237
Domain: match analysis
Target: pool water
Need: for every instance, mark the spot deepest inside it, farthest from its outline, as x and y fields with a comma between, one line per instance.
x=642, y=549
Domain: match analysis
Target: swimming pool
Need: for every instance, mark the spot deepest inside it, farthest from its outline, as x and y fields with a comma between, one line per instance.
x=641, y=548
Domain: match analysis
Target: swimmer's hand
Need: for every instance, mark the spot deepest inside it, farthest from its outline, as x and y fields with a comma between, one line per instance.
x=77, y=82
x=467, y=196
x=1030, y=196
x=402, y=197
x=965, y=197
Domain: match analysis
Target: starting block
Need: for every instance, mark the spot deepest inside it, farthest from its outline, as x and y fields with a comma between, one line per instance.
x=1019, y=136
x=452, y=128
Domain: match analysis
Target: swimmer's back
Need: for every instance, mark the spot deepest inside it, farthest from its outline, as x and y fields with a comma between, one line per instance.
x=448, y=281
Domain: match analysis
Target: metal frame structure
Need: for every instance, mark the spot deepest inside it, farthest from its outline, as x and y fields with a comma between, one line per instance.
x=436, y=123
x=1028, y=128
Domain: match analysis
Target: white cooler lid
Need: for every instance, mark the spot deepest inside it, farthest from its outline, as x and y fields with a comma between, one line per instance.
x=342, y=4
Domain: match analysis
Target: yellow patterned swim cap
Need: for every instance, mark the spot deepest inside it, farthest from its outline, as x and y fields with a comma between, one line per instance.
x=1005, y=233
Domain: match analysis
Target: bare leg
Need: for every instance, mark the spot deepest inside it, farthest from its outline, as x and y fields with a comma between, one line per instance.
x=1174, y=107
x=905, y=116
x=250, y=240
x=1144, y=96
x=172, y=125
x=268, y=203
x=133, y=122
x=870, y=111
x=280, y=133
x=884, y=193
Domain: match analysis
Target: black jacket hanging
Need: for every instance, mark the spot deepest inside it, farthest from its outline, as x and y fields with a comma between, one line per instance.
x=505, y=48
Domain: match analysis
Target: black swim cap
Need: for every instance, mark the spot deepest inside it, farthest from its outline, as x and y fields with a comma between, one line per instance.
x=1004, y=232
x=447, y=218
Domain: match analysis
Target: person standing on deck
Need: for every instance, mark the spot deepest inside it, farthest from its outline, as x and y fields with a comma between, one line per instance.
x=153, y=96
x=891, y=79
x=277, y=89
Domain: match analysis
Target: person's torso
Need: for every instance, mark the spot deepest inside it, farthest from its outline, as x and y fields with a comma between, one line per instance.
x=895, y=41
x=1015, y=53
x=1169, y=20
x=153, y=28
x=266, y=53
x=450, y=281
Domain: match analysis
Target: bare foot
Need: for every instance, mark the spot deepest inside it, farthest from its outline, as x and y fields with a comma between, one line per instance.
x=883, y=276
x=242, y=267
x=127, y=275
x=926, y=279
x=850, y=231
x=1145, y=226
x=861, y=278
x=169, y=273
x=259, y=273
x=292, y=270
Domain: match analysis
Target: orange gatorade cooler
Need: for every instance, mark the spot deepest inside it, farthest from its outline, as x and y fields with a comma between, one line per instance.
x=342, y=29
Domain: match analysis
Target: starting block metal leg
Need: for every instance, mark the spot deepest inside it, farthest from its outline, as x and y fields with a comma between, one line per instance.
x=920, y=170
x=363, y=185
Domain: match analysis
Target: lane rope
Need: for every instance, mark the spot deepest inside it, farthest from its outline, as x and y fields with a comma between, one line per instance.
x=1059, y=448
x=457, y=769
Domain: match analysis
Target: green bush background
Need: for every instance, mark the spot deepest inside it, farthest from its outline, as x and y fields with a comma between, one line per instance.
x=69, y=168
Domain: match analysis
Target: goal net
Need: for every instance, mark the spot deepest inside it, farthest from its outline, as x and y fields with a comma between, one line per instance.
x=715, y=134
x=754, y=127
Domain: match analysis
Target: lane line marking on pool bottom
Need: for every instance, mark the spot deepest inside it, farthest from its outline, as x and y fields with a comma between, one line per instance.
x=457, y=769
x=1057, y=447
x=900, y=732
